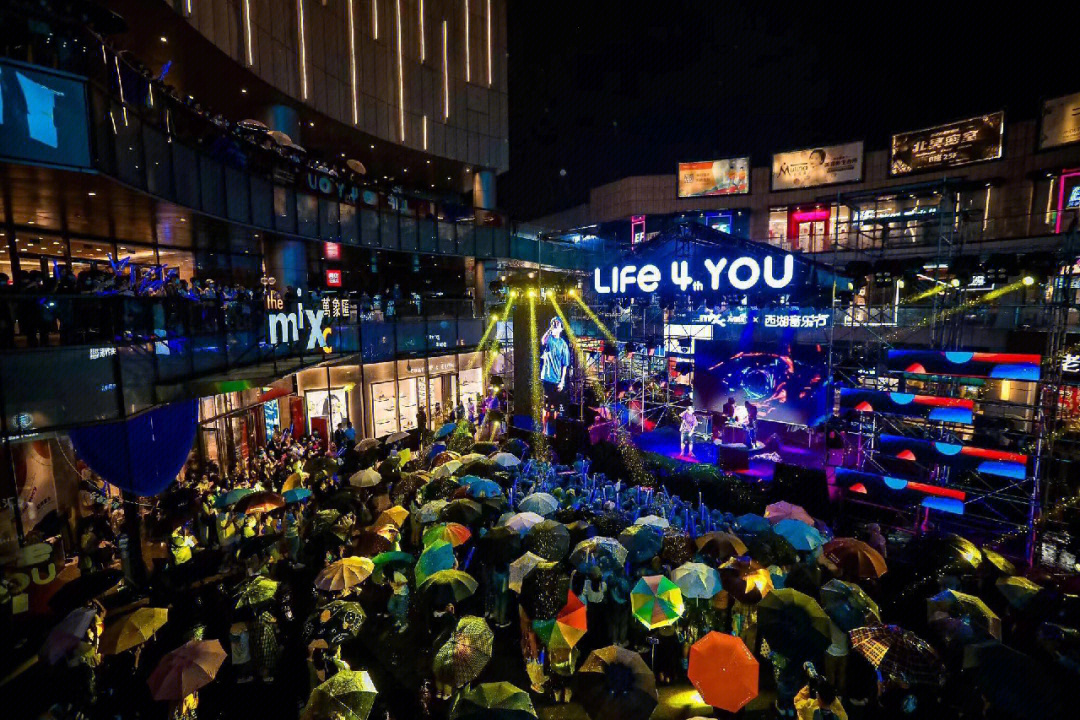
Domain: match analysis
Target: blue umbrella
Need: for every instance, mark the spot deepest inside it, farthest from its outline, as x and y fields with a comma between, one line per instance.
x=445, y=431
x=482, y=488
x=750, y=523
x=436, y=449
x=803, y=537
x=232, y=497
x=297, y=495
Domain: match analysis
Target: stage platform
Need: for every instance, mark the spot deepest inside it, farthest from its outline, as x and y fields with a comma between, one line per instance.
x=760, y=465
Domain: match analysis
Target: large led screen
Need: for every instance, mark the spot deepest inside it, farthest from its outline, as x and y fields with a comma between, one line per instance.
x=1000, y=366
x=813, y=167
x=927, y=407
x=43, y=117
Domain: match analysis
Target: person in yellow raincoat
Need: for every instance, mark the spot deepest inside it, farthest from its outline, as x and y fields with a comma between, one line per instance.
x=818, y=701
x=180, y=543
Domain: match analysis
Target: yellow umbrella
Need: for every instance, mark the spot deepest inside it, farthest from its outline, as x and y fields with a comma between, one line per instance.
x=133, y=630
x=396, y=515
x=344, y=574
x=292, y=482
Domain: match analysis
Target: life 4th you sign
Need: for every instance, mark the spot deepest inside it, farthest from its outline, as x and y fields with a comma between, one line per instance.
x=743, y=273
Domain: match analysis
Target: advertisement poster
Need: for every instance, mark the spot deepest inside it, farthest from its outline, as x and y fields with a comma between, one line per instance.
x=331, y=405
x=960, y=143
x=34, y=476
x=714, y=177
x=825, y=165
x=1060, y=121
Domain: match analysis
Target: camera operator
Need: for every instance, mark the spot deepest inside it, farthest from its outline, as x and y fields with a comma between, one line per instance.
x=818, y=701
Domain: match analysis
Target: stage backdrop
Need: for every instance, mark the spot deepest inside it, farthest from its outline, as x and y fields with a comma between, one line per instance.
x=787, y=382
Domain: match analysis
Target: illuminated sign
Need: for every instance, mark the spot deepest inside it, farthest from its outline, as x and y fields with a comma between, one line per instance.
x=332, y=250
x=826, y=165
x=285, y=327
x=1068, y=198
x=332, y=187
x=637, y=229
x=1060, y=121
x=333, y=278
x=960, y=143
x=714, y=177
x=807, y=319
x=43, y=116
x=742, y=273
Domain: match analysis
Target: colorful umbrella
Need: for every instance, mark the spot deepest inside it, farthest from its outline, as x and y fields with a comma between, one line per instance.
x=540, y=503
x=654, y=520
x=66, y=636
x=567, y=627
x=803, y=537
x=439, y=555
x=1018, y=590
x=898, y=654
x=656, y=601
x=598, y=550
x=794, y=624
x=720, y=545
x=133, y=630
x=724, y=671
x=296, y=495
x=615, y=684
x=448, y=586
x=783, y=510
x=965, y=607
x=856, y=559
x=697, y=581
x=848, y=605
x=186, y=669
x=335, y=622
x=505, y=460
x=523, y=521
x=255, y=591
x=492, y=701
x=344, y=574
x=395, y=516
x=453, y=533
x=260, y=502
x=548, y=539
x=463, y=657
x=367, y=477
x=642, y=542
x=520, y=569
x=347, y=695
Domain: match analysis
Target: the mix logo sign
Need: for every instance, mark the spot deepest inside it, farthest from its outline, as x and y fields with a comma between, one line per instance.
x=285, y=327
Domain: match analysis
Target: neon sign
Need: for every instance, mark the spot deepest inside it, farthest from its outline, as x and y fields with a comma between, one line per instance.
x=285, y=327
x=743, y=273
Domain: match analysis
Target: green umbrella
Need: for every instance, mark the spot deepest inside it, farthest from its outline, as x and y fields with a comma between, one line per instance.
x=463, y=657
x=232, y=497
x=255, y=591
x=392, y=559
x=450, y=586
x=697, y=581
x=656, y=601
x=437, y=556
x=493, y=701
x=548, y=539
x=848, y=605
x=348, y=695
x=794, y=624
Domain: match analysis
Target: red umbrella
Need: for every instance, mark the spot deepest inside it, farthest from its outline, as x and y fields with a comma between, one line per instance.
x=186, y=669
x=724, y=671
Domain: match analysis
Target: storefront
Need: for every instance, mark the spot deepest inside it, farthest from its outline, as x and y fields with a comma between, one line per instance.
x=233, y=425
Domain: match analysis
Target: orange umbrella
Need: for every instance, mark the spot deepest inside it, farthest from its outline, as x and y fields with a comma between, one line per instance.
x=186, y=669
x=454, y=533
x=260, y=502
x=855, y=558
x=343, y=574
x=724, y=671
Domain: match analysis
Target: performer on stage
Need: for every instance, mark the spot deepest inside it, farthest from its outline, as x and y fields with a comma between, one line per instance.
x=729, y=409
x=751, y=423
x=686, y=432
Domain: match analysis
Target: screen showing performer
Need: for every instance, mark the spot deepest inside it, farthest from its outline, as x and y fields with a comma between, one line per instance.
x=554, y=359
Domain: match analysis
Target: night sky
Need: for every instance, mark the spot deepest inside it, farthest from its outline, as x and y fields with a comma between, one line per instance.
x=605, y=90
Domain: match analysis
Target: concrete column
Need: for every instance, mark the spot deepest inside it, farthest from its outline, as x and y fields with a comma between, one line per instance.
x=286, y=262
x=484, y=189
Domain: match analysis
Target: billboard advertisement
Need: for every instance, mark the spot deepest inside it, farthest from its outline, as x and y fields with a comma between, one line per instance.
x=958, y=143
x=812, y=167
x=710, y=178
x=1060, y=121
x=999, y=366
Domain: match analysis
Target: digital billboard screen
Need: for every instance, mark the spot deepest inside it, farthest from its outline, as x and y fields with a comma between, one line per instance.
x=43, y=116
x=822, y=165
x=976, y=139
x=709, y=178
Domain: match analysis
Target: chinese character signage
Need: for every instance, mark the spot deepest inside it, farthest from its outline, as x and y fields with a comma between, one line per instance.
x=1070, y=367
x=801, y=319
x=960, y=143
x=714, y=177
x=1060, y=121
x=333, y=278
x=826, y=165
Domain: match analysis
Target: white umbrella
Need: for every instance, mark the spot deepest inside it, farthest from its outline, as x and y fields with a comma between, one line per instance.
x=365, y=478
x=366, y=444
x=520, y=569
x=429, y=511
x=467, y=460
x=523, y=521
x=541, y=503
x=505, y=460
x=447, y=469
x=395, y=437
x=655, y=520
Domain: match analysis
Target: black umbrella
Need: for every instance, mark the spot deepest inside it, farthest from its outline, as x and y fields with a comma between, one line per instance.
x=501, y=545
x=771, y=549
x=615, y=684
x=548, y=539
x=83, y=589
x=544, y=590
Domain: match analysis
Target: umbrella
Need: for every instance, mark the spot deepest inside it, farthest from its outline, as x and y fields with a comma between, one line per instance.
x=440, y=488
x=898, y=654
x=395, y=437
x=966, y=607
x=697, y=581
x=642, y=542
x=392, y=559
x=500, y=544
x=771, y=549
x=566, y=628
x=260, y=502
x=611, y=523
x=439, y=555
x=548, y=539
x=320, y=464
x=794, y=624
x=448, y=586
x=232, y=497
x=365, y=478
x=493, y=701
x=66, y=636
x=848, y=605
x=720, y=545
x=447, y=469
x=747, y=581
x=344, y=574
x=484, y=448
x=453, y=533
x=598, y=550
x=335, y=622
x=464, y=656
x=505, y=460
x=783, y=510
x=443, y=457
x=186, y=669
x=520, y=569
x=461, y=511
x=676, y=547
x=356, y=166
x=482, y=487
x=250, y=124
x=297, y=495
x=724, y=671
x=370, y=544
x=543, y=591
x=750, y=523
x=133, y=630
x=347, y=695
x=950, y=552
x=523, y=521
x=281, y=138
x=615, y=684
x=856, y=559
x=541, y=503
x=803, y=537
x=996, y=562
x=654, y=520
x=395, y=516
x=1017, y=590
x=83, y=589
x=516, y=447
x=656, y=601
x=429, y=511
x=445, y=431
x=404, y=491
x=255, y=591
x=467, y=460
x=294, y=481
x=366, y=444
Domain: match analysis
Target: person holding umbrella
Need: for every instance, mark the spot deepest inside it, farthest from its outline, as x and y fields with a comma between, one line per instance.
x=817, y=700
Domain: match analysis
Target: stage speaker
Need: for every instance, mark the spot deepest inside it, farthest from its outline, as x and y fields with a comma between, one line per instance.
x=808, y=487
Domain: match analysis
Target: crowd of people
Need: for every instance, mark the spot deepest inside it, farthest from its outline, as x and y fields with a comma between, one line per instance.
x=427, y=576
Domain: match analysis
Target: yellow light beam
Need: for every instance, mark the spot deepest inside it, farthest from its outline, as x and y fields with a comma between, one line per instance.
x=537, y=391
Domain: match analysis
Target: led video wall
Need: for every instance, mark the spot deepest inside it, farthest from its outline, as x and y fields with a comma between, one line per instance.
x=925, y=407
x=1000, y=366
x=885, y=489
x=955, y=455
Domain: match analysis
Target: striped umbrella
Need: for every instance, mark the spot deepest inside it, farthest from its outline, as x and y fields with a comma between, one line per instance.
x=656, y=601
x=898, y=654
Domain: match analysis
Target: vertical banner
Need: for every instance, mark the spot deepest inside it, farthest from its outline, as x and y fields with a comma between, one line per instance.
x=34, y=478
